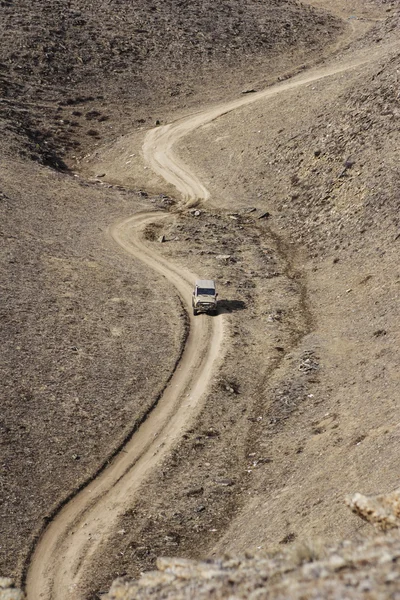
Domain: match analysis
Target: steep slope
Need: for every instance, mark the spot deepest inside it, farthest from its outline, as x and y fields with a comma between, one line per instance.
x=324, y=165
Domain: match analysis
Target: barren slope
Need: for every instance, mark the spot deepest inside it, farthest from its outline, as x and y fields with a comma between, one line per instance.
x=324, y=163
x=70, y=403
x=74, y=74
x=332, y=390
x=87, y=344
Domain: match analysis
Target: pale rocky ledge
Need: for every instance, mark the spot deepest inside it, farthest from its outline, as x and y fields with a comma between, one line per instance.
x=364, y=569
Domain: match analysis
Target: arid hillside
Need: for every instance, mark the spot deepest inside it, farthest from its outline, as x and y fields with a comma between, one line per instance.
x=85, y=351
x=301, y=232
x=74, y=74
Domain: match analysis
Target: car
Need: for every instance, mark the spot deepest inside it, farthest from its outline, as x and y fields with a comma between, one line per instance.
x=204, y=298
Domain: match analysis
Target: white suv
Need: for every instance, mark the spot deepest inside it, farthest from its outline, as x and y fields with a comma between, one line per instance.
x=204, y=299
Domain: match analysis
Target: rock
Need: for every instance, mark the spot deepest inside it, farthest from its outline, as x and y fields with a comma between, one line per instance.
x=161, y=239
x=349, y=162
x=197, y=491
x=380, y=332
x=382, y=511
x=101, y=175
x=265, y=215
x=297, y=572
x=224, y=257
x=252, y=91
x=225, y=482
x=8, y=591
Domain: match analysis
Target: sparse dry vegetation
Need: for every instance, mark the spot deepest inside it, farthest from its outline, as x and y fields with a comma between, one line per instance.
x=301, y=233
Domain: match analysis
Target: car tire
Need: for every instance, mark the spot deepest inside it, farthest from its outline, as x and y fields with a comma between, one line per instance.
x=194, y=312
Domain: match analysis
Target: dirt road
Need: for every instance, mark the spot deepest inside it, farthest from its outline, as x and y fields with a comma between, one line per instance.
x=159, y=142
x=73, y=538
x=75, y=535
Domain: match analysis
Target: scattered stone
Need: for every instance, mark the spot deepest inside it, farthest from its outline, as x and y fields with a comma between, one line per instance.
x=224, y=257
x=380, y=333
x=197, y=491
x=225, y=482
x=308, y=363
x=265, y=215
x=8, y=591
x=101, y=175
x=161, y=239
x=251, y=91
x=349, y=162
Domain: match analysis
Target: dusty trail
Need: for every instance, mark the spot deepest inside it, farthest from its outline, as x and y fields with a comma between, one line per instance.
x=70, y=542
x=158, y=144
x=73, y=537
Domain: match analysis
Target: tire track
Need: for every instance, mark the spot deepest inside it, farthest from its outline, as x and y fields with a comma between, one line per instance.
x=71, y=541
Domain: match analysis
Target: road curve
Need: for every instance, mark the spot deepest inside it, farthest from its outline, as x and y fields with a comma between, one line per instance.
x=70, y=542
x=159, y=142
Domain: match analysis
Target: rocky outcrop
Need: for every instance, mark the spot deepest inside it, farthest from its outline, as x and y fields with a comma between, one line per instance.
x=351, y=570
x=8, y=591
x=382, y=511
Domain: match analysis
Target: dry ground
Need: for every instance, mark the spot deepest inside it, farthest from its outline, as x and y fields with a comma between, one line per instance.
x=307, y=407
x=311, y=296
x=77, y=315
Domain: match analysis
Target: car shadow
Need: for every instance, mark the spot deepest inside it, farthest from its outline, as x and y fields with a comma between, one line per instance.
x=229, y=306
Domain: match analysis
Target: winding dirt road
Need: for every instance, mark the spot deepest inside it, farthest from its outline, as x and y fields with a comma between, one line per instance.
x=72, y=539
x=159, y=142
